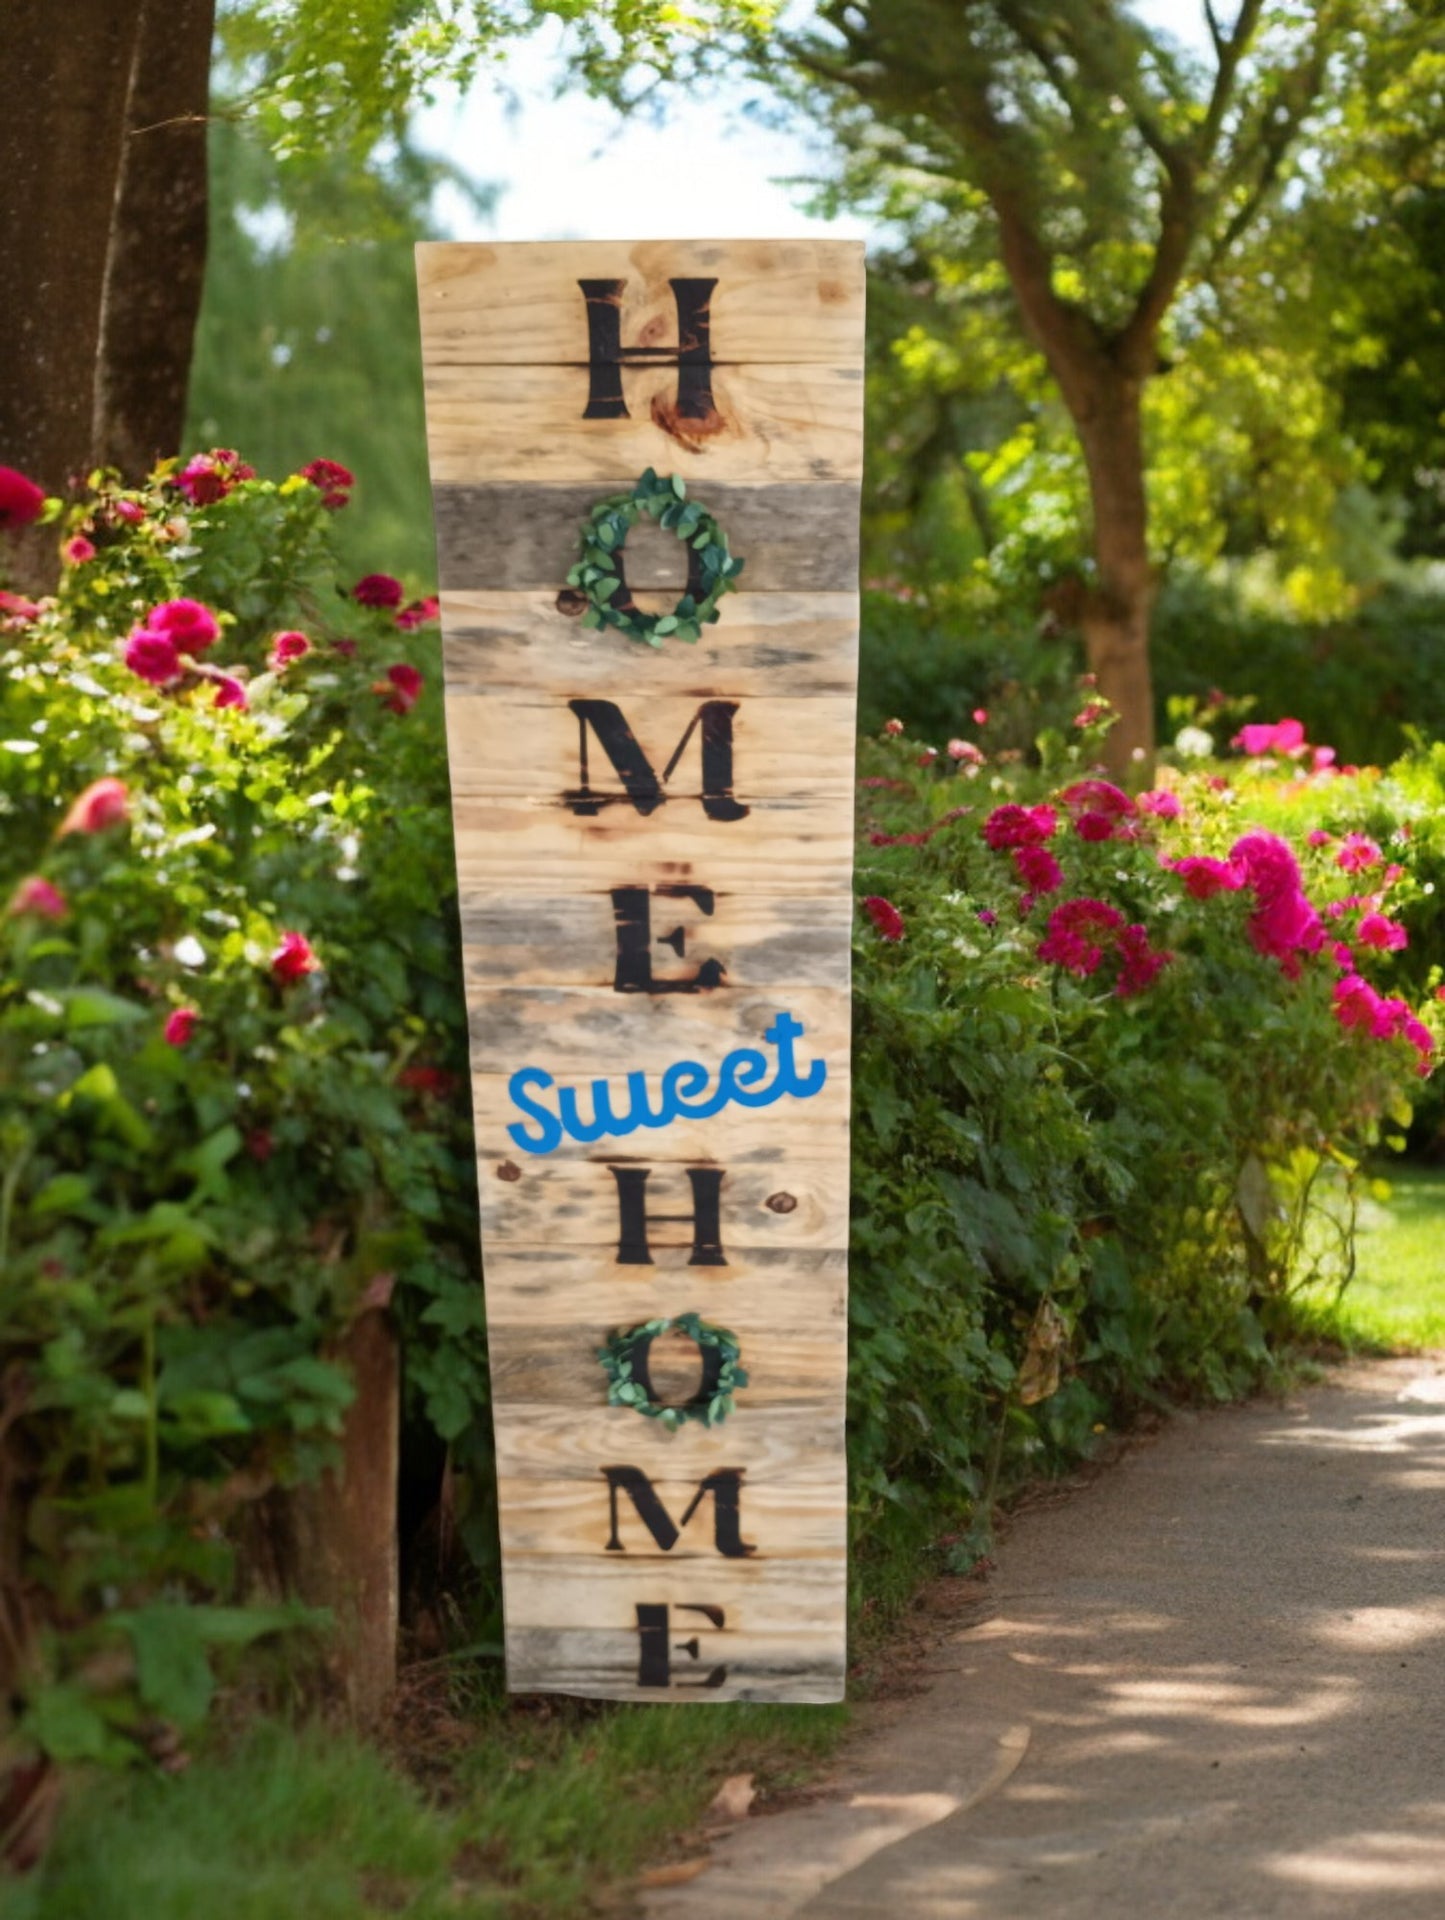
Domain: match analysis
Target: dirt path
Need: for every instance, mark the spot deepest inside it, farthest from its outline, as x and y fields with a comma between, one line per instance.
x=1213, y=1683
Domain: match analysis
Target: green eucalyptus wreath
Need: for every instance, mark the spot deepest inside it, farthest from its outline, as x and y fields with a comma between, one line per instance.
x=712, y=570
x=624, y=1361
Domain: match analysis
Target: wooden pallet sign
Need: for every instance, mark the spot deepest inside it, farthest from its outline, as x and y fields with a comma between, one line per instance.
x=652, y=778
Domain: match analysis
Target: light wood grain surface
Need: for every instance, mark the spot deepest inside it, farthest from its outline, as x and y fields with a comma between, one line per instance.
x=775, y=300
x=794, y=646
x=784, y=423
x=738, y=884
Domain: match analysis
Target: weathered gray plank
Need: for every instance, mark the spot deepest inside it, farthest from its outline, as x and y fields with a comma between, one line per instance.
x=758, y=940
x=512, y=538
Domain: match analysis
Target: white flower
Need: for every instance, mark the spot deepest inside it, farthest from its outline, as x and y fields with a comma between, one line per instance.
x=1194, y=742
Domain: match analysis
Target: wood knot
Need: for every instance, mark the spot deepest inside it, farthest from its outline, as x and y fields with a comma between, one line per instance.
x=781, y=1203
x=509, y=1170
x=571, y=602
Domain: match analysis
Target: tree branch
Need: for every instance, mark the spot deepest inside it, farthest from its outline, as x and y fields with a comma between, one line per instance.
x=1231, y=52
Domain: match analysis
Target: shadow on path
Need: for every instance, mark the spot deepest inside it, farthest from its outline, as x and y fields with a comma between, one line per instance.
x=1214, y=1685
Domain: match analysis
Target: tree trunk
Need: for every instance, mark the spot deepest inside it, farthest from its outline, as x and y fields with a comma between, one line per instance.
x=1117, y=607
x=67, y=79
x=340, y=1547
x=157, y=255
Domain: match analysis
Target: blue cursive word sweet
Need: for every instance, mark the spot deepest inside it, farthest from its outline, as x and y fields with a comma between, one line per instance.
x=687, y=1093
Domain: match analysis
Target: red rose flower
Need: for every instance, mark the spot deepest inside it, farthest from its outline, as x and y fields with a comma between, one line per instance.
x=21, y=501
x=293, y=959
x=885, y=916
x=332, y=480
x=209, y=477
x=104, y=803
x=418, y=614
x=16, y=611
x=378, y=590
x=402, y=687
x=77, y=550
x=36, y=895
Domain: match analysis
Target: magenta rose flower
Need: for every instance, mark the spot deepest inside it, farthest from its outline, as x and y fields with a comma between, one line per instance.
x=1071, y=941
x=104, y=803
x=419, y=614
x=153, y=656
x=21, y=501
x=288, y=646
x=181, y=1024
x=191, y=626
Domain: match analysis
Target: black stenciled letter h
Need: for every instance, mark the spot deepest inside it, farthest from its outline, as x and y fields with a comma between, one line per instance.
x=606, y=354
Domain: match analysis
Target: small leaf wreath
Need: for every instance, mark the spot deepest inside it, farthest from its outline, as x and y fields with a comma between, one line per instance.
x=712, y=570
x=625, y=1357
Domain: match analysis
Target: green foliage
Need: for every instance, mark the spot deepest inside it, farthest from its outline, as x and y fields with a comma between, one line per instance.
x=545, y=1812
x=308, y=340
x=939, y=654
x=1073, y=1193
x=1361, y=682
x=219, y=1146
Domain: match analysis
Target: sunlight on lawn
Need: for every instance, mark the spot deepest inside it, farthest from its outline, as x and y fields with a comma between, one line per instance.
x=1397, y=1298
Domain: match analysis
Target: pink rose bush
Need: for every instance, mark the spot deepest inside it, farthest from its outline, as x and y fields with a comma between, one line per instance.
x=227, y=929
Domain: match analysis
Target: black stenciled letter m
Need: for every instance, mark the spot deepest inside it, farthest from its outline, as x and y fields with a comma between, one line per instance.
x=642, y=785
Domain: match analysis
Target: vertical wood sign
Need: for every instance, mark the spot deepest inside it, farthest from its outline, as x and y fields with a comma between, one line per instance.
x=654, y=845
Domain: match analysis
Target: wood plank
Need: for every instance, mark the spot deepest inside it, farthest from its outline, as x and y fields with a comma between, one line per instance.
x=555, y=1285
x=800, y=538
x=591, y=897
x=776, y=300
x=759, y=941
x=779, y=1596
x=795, y=1202
x=793, y=1446
x=808, y=1670
x=801, y=844
x=798, y=646
x=529, y=744
x=796, y=1523
x=791, y=424
x=785, y=1367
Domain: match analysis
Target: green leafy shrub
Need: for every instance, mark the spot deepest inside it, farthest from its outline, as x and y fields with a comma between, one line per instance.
x=1086, y=1159
x=232, y=1066
x=936, y=654
x=1362, y=683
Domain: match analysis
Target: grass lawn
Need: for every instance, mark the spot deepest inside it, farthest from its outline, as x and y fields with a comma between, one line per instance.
x=538, y=1810
x=1396, y=1301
